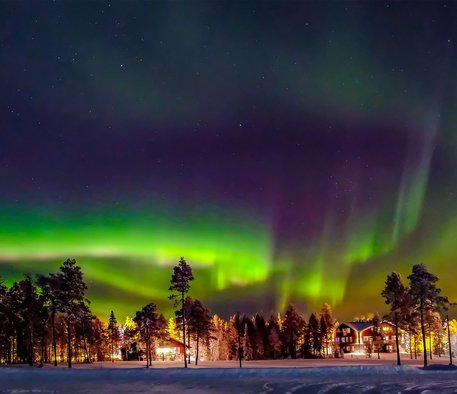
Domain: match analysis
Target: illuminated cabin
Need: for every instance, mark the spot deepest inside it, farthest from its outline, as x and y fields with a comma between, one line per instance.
x=170, y=350
x=358, y=337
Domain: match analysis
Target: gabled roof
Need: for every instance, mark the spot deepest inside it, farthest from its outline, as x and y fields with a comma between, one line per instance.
x=389, y=323
x=175, y=341
x=361, y=326
x=358, y=326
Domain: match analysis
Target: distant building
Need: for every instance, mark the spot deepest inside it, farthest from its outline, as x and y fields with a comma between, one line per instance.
x=170, y=349
x=358, y=337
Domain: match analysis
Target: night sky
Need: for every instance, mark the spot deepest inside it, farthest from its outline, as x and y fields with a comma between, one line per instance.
x=290, y=151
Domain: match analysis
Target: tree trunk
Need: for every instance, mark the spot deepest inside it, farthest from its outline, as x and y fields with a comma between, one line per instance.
x=147, y=354
x=449, y=340
x=30, y=356
x=430, y=343
x=196, y=356
x=14, y=353
x=8, y=353
x=147, y=347
x=424, y=339
x=292, y=349
x=86, y=354
x=54, y=343
x=396, y=339
x=240, y=355
x=69, y=341
x=410, y=346
x=184, y=328
x=42, y=345
x=188, y=344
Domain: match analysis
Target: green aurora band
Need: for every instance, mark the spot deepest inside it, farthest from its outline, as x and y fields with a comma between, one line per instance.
x=131, y=252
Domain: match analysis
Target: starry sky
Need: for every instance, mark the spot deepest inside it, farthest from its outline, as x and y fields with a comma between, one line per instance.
x=290, y=151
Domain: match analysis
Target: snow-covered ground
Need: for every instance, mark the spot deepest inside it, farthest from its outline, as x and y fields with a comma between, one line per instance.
x=281, y=376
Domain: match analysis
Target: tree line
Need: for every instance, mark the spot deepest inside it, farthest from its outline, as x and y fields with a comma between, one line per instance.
x=50, y=312
x=47, y=319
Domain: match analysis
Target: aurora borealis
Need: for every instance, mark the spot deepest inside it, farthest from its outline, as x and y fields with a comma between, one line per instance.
x=290, y=151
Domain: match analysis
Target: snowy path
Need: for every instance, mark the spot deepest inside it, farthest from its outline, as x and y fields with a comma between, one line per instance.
x=344, y=379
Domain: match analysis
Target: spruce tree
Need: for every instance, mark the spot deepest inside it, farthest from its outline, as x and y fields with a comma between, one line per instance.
x=326, y=313
x=112, y=328
x=27, y=311
x=261, y=335
x=200, y=324
x=172, y=328
x=247, y=345
x=376, y=335
x=180, y=285
x=314, y=330
x=129, y=331
x=425, y=297
x=4, y=324
x=147, y=322
x=396, y=295
x=274, y=341
x=292, y=328
x=71, y=296
x=323, y=330
x=50, y=286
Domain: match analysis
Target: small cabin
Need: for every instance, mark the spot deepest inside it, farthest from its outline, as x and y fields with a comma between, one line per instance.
x=170, y=350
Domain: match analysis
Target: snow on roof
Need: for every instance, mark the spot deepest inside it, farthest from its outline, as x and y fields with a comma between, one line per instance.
x=359, y=326
x=362, y=325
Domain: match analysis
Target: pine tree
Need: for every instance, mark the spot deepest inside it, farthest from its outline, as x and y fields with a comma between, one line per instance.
x=274, y=342
x=425, y=297
x=396, y=295
x=43, y=314
x=292, y=329
x=238, y=322
x=129, y=332
x=162, y=328
x=231, y=336
x=376, y=335
x=327, y=314
x=25, y=307
x=200, y=324
x=50, y=289
x=314, y=330
x=71, y=297
x=261, y=335
x=247, y=346
x=5, y=325
x=434, y=327
x=180, y=285
x=218, y=340
x=323, y=330
x=147, y=322
x=82, y=330
x=273, y=324
x=113, y=331
x=172, y=328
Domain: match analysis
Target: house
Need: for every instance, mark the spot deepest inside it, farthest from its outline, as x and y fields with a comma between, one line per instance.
x=360, y=337
x=170, y=349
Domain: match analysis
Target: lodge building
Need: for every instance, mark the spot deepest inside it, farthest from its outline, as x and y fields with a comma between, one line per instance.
x=356, y=337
